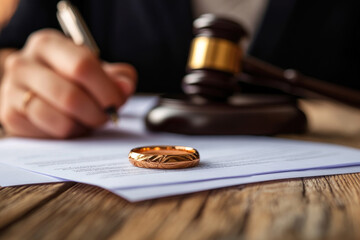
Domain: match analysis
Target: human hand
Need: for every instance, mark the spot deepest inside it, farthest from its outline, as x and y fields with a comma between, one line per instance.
x=54, y=89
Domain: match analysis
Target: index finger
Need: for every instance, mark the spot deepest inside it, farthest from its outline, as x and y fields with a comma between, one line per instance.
x=76, y=63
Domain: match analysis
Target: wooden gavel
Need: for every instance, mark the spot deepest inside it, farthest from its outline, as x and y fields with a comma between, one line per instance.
x=216, y=63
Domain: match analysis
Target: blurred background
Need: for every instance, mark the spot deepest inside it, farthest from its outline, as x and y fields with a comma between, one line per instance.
x=340, y=120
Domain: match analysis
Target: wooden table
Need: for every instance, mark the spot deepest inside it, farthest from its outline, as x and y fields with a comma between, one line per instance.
x=306, y=208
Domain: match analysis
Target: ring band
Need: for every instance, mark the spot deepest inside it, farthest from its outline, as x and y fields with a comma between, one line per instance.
x=28, y=95
x=164, y=157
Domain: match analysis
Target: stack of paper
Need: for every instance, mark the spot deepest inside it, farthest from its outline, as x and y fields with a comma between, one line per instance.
x=102, y=160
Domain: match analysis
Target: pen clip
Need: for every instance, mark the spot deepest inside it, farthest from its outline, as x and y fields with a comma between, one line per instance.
x=73, y=25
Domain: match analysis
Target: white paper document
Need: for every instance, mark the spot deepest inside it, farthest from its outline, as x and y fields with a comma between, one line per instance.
x=13, y=176
x=102, y=159
x=145, y=193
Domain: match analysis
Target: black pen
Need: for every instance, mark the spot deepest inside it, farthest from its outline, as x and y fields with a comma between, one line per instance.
x=73, y=25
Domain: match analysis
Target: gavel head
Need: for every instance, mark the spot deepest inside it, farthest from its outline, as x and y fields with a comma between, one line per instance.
x=214, y=59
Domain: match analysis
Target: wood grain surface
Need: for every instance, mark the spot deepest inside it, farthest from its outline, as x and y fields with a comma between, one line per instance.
x=309, y=208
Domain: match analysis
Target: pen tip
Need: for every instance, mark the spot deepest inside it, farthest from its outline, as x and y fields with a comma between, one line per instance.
x=114, y=118
x=112, y=113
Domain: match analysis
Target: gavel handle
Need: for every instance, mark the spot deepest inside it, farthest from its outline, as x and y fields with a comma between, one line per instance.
x=259, y=72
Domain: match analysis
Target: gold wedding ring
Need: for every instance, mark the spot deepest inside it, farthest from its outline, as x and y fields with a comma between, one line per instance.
x=28, y=95
x=164, y=157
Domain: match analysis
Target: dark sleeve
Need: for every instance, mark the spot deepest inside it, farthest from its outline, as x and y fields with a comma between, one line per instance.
x=31, y=15
x=318, y=38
